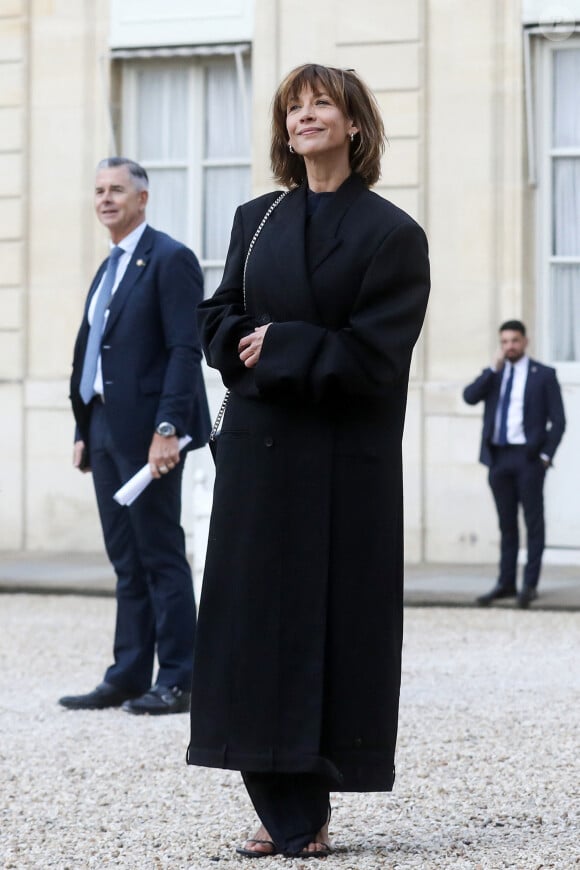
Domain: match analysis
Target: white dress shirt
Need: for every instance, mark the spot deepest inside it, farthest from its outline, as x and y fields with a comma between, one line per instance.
x=515, y=419
x=129, y=243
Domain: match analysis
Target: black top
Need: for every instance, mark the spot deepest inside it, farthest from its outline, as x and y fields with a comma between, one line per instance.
x=315, y=199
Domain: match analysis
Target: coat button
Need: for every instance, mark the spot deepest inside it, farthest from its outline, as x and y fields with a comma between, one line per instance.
x=269, y=441
x=358, y=742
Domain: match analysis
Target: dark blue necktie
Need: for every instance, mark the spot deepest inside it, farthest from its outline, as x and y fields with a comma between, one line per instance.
x=94, y=341
x=505, y=406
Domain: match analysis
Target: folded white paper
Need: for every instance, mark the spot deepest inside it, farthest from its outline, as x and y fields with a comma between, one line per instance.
x=131, y=490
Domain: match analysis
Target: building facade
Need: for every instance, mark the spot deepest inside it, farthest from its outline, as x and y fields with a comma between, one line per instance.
x=480, y=104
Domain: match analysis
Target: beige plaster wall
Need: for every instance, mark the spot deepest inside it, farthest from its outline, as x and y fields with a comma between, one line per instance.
x=449, y=82
x=68, y=135
x=54, y=128
x=450, y=87
x=474, y=193
x=13, y=107
x=54, y=90
x=384, y=42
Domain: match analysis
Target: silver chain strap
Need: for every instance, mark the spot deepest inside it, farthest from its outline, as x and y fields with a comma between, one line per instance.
x=222, y=410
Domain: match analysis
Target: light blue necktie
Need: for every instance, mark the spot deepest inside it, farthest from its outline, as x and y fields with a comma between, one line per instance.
x=505, y=406
x=94, y=341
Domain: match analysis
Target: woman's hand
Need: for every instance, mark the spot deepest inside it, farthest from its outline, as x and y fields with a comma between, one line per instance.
x=250, y=346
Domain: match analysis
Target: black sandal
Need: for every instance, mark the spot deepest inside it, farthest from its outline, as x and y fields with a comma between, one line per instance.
x=319, y=853
x=253, y=853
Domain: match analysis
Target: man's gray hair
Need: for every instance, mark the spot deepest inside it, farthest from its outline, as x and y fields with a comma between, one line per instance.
x=138, y=174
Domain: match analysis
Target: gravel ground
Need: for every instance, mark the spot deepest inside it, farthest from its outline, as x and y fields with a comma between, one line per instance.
x=487, y=757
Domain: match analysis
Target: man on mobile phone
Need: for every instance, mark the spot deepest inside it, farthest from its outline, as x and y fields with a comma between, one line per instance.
x=523, y=423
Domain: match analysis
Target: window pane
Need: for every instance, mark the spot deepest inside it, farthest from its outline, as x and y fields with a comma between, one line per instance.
x=188, y=114
x=566, y=210
x=224, y=190
x=565, y=313
x=566, y=98
x=227, y=131
x=149, y=114
x=167, y=205
x=212, y=275
x=162, y=112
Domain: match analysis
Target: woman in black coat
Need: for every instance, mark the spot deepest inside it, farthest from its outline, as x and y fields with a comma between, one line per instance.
x=298, y=651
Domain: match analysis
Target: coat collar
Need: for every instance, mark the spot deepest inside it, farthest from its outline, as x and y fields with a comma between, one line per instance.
x=324, y=235
x=285, y=237
x=137, y=266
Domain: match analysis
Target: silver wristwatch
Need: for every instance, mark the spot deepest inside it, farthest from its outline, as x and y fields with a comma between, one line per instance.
x=167, y=430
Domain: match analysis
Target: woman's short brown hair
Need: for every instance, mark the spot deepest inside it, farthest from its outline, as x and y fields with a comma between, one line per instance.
x=355, y=100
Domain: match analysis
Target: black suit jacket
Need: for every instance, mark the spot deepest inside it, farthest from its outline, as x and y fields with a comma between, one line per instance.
x=544, y=420
x=150, y=349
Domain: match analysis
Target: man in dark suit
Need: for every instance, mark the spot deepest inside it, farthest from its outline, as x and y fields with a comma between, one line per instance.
x=136, y=388
x=523, y=424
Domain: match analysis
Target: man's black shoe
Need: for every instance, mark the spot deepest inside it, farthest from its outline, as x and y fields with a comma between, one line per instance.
x=105, y=695
x=496, y=593
x=159, y=701
x=526, y=596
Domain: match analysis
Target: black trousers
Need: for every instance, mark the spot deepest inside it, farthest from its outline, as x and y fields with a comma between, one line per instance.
x=293, y=807
x=146, y=546
x=516, y=479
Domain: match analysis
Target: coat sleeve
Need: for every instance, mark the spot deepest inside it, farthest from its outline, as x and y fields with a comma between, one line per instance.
x=374, y=349
x=480, y=388
x=555, y=414
x=223, y=320
x=180, y=290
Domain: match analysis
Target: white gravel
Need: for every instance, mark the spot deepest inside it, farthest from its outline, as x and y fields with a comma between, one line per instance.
x=487, y=758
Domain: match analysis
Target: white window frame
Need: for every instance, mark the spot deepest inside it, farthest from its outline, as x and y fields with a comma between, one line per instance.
x=129, y=140
x=195, y=162
x=543, y=56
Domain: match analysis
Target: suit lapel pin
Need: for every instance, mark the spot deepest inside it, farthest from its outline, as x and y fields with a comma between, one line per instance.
x=140, y=263
x=534, y=368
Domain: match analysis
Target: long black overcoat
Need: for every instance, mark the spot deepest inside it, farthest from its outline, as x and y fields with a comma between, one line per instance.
x=298, y=650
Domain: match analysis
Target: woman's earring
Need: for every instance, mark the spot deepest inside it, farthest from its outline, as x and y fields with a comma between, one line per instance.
x=352, y=137
x=290, y=148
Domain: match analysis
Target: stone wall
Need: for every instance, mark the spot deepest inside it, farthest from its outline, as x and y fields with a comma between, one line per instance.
x=450, y=86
